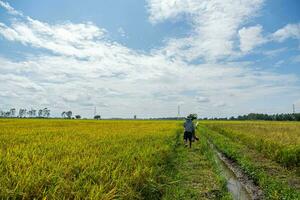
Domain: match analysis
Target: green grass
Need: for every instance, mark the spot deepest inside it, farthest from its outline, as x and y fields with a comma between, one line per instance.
x=195, y=174
x=276, y=181
x=279, y=141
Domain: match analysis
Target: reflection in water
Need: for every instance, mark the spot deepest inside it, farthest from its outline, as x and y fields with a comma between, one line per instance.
x=237, y=190
x=234, y=186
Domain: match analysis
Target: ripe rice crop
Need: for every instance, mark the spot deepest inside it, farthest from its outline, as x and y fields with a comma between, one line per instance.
x=59, y=159
x=280, y=141
x=268, y=152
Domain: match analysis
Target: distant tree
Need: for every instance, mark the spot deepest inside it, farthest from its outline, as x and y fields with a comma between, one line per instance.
x=297, y=116
x=69, y=114
x=97, y=117
x=43, y=113
x=63, y=114
x=274, y=117
x=193, y=116
x=31, y=113
x=40, y=113
x=77, y=116
x=12, y=112
x=7, y=114
x=22, y=113
x=46, y=113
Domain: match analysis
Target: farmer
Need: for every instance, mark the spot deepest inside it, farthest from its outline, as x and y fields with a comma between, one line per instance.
x=189, y=130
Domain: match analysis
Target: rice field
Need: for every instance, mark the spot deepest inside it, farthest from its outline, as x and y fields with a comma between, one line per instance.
x=146, y=159
x=268, y=152
x=280, y=141
x=89, y=159
x=83, y=159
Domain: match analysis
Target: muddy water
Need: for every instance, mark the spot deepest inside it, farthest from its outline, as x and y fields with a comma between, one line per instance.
x=234, y=186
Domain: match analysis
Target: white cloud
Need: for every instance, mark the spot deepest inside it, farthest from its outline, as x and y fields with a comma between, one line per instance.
x=297, y=106
x=296, y=59
x=279, y=63
x=251, y=37
x=78, y=40
x=215, y=24
x=70, y=83
x=162, y=10
x=8, y=94
x=20, y=82
x=201, y=99
x=289, y=31
x=121, y=32
x=10, y=9
x=274, y=52
x=220, y=104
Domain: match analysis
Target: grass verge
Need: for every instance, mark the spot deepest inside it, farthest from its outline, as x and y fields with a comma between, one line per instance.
x=275, y=181
x=194, y=173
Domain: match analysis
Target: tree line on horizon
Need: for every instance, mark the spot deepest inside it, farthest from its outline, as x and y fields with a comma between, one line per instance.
x=41, y=113
x=260, y=116
x=45, y=113
x=24, y=113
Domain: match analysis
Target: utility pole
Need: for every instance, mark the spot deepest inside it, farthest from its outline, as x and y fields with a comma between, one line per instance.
x=178, y=111
x=294, y=108
x=95, y=111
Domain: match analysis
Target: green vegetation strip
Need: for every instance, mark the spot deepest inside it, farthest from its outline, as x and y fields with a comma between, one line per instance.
x=275, y=181
x=195, y=173
x=279, y=141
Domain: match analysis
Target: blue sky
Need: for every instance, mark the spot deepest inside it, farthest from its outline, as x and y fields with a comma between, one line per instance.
x=215, y=58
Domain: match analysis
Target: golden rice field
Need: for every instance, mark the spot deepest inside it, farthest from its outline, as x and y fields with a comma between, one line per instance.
x=83, y=159
x=90, y=159
x=279, y=141
x=127, y=159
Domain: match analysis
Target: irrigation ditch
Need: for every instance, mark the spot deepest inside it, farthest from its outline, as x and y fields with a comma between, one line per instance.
x=238, y=183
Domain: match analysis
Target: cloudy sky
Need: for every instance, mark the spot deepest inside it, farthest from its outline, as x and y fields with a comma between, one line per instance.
x=144, y=58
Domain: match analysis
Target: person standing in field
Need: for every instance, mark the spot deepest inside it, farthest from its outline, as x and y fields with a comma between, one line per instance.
x=189, y=130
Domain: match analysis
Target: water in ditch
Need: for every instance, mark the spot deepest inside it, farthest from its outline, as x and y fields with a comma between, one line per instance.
x=234, y=186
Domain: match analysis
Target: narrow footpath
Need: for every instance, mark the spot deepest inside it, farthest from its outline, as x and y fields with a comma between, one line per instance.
x=197, y=176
